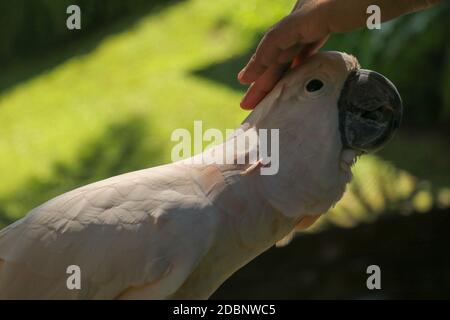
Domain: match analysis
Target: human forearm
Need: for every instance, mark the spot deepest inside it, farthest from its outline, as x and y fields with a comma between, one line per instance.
x=347, y=15
x=304, y=31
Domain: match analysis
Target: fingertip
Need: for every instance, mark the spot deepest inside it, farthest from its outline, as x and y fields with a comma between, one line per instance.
x=243, y=82
x=245, y=104
x=240, y=74
x=251, y=73
x=252, y=98
x=244, y=78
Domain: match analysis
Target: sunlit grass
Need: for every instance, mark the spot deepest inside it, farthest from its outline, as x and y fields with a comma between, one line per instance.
x=146, y=72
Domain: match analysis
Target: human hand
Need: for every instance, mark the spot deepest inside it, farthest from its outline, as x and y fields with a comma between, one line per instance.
x=285, y=45
x=304, y=31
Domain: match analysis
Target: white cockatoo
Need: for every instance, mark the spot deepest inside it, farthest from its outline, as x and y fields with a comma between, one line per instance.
x=178, y=231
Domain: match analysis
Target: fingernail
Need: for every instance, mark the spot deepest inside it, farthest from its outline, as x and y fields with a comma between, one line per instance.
x=244, y=104
x=241, y=73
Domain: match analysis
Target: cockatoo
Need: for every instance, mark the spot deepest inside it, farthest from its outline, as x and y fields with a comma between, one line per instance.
x=178, y=231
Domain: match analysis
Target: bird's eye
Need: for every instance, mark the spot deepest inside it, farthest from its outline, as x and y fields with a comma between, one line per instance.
x=314, y=85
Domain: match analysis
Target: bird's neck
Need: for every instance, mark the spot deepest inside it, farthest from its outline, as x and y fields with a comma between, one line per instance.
x=250, y=218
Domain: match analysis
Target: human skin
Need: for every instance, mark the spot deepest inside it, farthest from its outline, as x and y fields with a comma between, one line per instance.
x=304, y=31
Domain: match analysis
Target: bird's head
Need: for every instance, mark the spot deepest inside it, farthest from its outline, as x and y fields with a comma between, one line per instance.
x=327, y=111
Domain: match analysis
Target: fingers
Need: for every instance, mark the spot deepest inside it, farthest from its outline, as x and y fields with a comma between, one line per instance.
x=288, y=55
x=307, y=51
x=265, y=83
x=286, y=44
x=312, y=48
x=280, y=40
x=266, y=53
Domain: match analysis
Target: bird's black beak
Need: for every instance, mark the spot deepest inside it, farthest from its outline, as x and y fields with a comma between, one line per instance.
x=370, y=111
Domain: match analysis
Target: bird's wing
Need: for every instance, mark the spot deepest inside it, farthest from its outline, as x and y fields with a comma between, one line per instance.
x=149, y=226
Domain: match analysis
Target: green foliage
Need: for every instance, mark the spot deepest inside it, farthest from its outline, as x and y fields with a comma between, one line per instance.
x=413, y=51
x=107, y=102
x=123, y=147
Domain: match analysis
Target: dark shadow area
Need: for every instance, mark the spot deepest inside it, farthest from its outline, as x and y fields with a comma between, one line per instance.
x=124, y=147
x=5, y=219
x=225, y=72
x=411, y=251
x=41, y=60
x=423, y=153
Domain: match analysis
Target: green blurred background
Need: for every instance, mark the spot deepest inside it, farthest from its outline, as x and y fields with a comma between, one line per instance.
x=80, y=106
